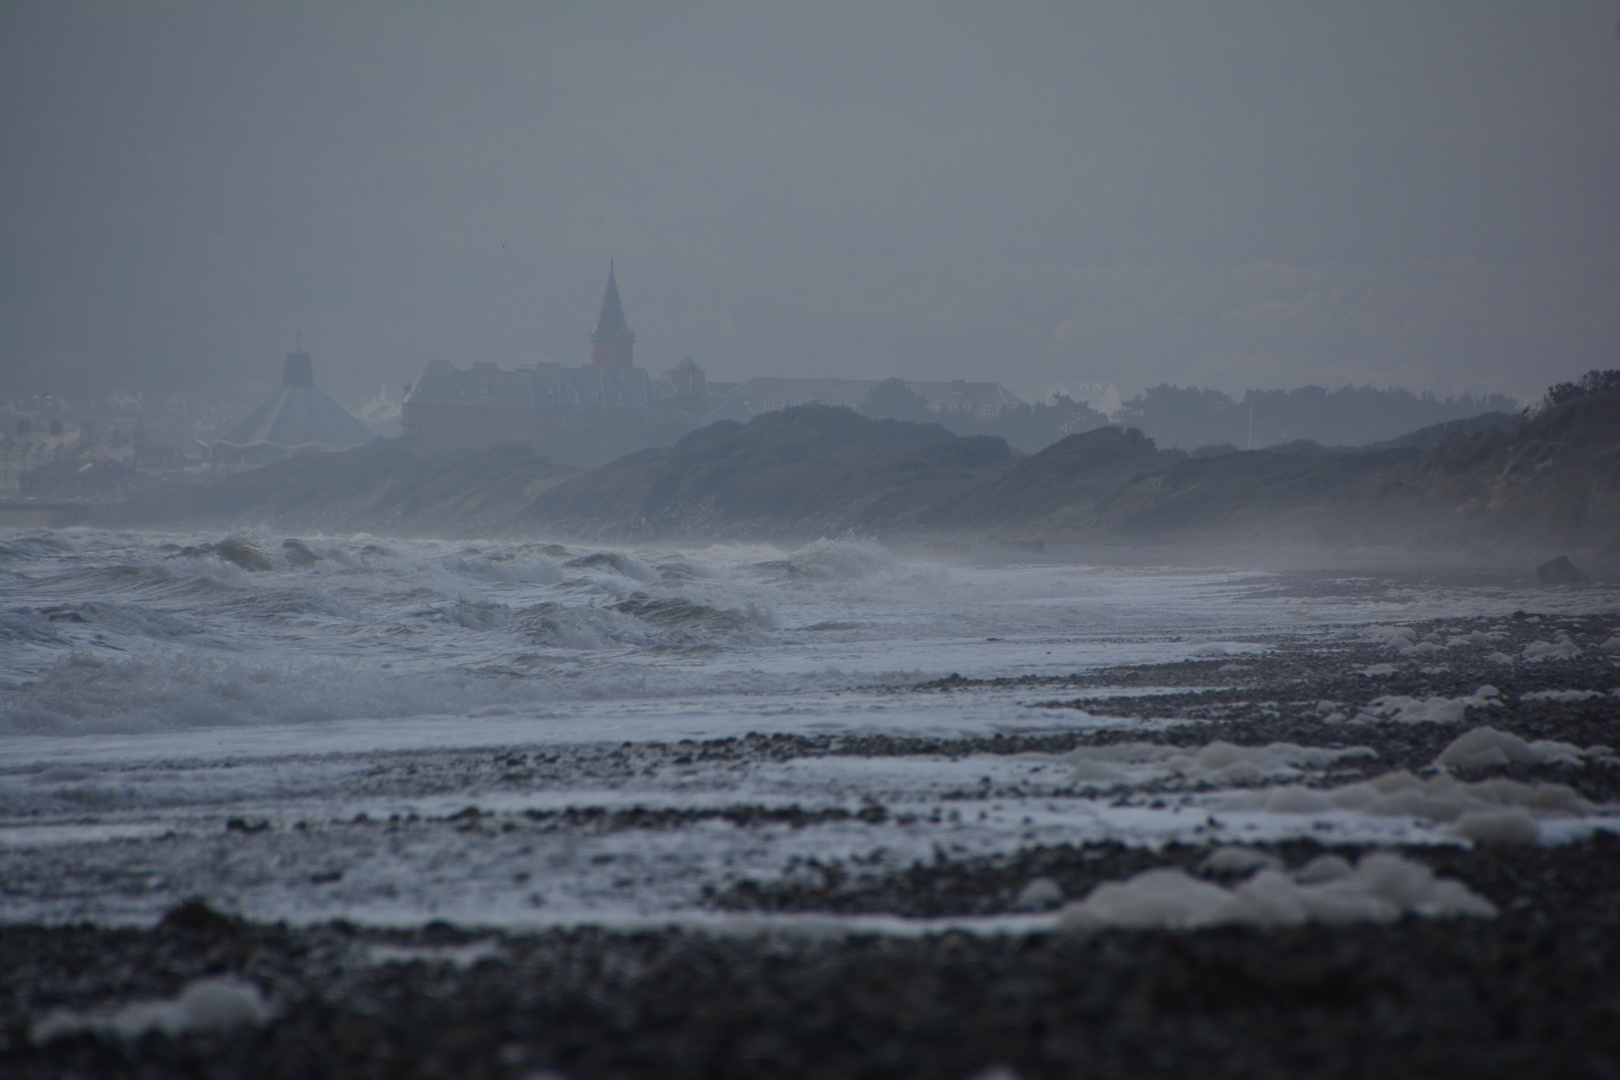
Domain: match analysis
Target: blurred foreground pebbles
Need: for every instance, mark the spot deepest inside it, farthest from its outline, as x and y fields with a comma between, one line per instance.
x=1533, y=991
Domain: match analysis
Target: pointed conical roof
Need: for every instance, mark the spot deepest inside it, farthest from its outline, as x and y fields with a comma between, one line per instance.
x=300, y=416
x=610, y=323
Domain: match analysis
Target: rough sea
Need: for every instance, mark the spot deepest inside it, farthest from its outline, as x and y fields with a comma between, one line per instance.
x=525, y=734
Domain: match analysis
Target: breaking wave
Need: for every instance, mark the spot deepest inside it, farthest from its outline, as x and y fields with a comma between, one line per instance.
x=140, y=633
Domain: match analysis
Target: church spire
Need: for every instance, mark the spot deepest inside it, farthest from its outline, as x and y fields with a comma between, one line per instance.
x=612, y=343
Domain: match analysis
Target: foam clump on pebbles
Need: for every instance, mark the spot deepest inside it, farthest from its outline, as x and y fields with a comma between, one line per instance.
x=1429, y=710
x=1477, y=637
x=460, y=957
x=1486, y=747
x=1220, y=762
x=1560, y=648
x=1403, y=639
x=1238, y=859
x=1324, y=868
x=1442, y=799
x=204, y=1006
x=1563, y=697
x=1498, y=828
x=1380, y=888
x=995, y=1072
x=1040, y=894
x=1398, y=637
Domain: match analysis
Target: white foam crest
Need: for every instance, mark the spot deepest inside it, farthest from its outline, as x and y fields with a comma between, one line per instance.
x=622, y=564
x=840, y=559
x=468, y=614
x=19, y=546
x=148, y=576
x=526, y=565
x=585, y=629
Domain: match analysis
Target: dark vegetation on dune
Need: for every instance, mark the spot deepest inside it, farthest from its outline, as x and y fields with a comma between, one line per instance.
x=1077, y=471
x=1553, y=478
x=1549, y=477
x=811, y=469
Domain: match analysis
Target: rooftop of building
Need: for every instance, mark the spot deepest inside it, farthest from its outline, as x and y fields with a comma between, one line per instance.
x=610, y=322
x=300, y=416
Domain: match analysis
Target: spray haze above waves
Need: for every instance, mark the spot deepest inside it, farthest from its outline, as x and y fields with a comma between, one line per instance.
x=313, y=726
x=116, y=632
x=131, y=633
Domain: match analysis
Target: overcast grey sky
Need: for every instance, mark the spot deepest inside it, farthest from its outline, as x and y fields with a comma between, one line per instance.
x=1231, y=195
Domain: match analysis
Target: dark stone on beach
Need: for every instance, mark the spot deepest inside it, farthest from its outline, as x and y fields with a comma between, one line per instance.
x=1560, y=571
x=194, y=916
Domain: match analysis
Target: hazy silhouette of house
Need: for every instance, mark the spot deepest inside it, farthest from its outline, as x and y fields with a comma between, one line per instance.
x=688, y=379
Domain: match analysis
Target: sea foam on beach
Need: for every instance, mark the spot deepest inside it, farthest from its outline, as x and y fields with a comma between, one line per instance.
x=204, y=1005
x=1380, y=888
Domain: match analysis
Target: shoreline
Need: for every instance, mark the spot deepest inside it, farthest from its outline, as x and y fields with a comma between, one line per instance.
x=782, y=971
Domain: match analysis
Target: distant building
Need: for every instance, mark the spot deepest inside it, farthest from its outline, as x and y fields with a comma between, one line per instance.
x=592, y=413
x=688, y=379
x=299, y=419
x=611, y=407
x=31, y=445
x=82, y=478
x=613, y=346
x=951, y=397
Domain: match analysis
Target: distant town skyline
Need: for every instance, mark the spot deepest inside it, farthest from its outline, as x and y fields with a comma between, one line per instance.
x=1235, y=196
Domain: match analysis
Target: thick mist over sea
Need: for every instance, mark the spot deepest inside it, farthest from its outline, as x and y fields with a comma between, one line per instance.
x=1234, y=196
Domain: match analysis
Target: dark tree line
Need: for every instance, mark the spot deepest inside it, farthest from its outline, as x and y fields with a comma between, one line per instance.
x=1593, y=382
x=1189, y=417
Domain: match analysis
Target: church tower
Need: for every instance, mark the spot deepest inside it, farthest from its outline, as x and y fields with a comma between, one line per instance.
x=612, y=343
